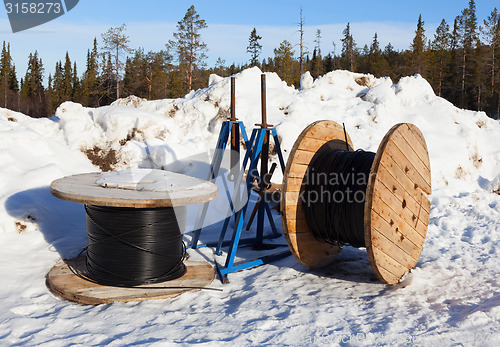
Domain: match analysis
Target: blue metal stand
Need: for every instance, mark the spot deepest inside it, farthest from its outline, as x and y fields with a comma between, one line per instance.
x=253, y=153
x=257, y=149
x=237, y=127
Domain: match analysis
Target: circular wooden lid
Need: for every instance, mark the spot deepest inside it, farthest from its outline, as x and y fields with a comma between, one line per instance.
x=139, y=188
x=302, y=243
x=396, y=205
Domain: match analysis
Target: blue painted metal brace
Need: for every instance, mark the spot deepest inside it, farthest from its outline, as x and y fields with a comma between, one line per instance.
x=253, y=153
x=227, y=127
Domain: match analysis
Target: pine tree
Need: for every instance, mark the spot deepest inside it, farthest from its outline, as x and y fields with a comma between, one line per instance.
x=159, y=64
x=116, y=43
x=478, y=74
x=108, y=80
x=491, y=32
x=467, y=37
x=284, y=62
x=418, y=48
x=220, y=67
x=348, y=50
x=189, y=48
x=441, y=46
x=254, y=47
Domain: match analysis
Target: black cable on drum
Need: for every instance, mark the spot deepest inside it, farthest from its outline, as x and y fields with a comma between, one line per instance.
x=133, y=246
x=335, y=193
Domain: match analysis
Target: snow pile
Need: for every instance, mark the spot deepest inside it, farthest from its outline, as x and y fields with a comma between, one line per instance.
x=452, y=296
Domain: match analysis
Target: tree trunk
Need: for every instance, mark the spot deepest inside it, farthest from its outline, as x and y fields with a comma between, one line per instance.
x=492, y=67
x=117, y=75
x=479, y=97
x=301, y=43
x=440, y=76
x=463, y=77
x=191, y=58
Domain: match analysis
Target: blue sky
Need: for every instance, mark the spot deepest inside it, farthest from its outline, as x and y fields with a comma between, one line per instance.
x=150, y=25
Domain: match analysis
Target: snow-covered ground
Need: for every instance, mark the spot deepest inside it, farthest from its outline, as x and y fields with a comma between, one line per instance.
x=452, y=297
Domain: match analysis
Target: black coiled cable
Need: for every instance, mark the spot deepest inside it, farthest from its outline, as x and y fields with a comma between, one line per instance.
x=335, y=194
x=133, y=246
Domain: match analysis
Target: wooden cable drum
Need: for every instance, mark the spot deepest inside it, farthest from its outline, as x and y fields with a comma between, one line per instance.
x=396, y=205
x=135, y=250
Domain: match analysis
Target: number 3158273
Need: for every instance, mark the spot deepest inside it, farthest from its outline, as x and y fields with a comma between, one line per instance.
x=32, y=7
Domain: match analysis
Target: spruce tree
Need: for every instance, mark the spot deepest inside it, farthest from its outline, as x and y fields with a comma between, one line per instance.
x=32, y=90
x=317, y=60
x=378, y=66
x=393, y=60
x=189, y=48
x=66, y=90
x=90, y=78
x=418, y=48
x=75, y=81
x=348, y=50
x=134, y=82
x=14, y=88
x=254, y=47
x=5, y=67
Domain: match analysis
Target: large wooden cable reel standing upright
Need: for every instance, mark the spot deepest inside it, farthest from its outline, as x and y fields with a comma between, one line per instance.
x=396, y=208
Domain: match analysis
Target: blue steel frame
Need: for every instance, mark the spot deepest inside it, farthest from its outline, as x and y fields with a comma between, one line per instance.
x=253, y=154
x=225, y=130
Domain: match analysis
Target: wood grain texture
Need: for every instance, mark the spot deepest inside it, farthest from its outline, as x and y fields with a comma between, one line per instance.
x=397, y=206
x=66, y=285
x=82, y=188
x=305, y=248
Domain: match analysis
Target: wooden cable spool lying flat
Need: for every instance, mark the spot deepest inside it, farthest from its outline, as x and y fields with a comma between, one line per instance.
x=130, y=193
x=396, y=207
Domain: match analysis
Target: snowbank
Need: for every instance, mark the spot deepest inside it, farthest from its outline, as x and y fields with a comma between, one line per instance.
x=451, y=296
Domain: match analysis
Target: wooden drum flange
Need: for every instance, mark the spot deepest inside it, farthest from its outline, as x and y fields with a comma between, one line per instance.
x=397, y=206
x=302, y=243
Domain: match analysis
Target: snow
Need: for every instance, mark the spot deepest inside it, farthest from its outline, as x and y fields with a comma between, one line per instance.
x=452, y=297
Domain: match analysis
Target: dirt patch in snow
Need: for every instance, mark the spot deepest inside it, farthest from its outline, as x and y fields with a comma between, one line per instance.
x=105, y=159
x=363, y=81
x=20, y=227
